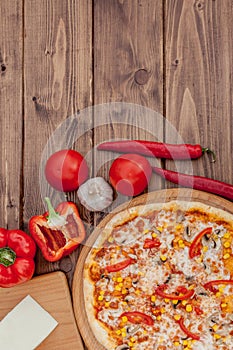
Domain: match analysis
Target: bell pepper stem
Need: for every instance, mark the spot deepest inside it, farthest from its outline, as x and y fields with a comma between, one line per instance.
x=54, y=219
x=7, y=256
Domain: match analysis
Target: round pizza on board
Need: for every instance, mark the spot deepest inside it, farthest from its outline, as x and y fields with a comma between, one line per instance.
x=160, y=276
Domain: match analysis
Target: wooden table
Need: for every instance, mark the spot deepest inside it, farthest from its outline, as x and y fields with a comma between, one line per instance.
x=59, y=57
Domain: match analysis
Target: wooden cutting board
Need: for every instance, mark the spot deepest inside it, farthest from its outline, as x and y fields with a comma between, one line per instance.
x=52, y=293
x=183, y=194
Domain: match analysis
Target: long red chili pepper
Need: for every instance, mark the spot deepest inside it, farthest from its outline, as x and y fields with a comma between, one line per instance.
x=195, y=248
x=160, y=291
x=157, y=149
x=197, y=182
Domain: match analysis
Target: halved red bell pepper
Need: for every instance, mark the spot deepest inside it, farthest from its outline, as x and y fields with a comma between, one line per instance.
x=195, y=247
x=119, y=266
x=137, y=317
x=151, y=243
x=186, y=330
x=160, y=291
x=17, y=251
x=57, y=233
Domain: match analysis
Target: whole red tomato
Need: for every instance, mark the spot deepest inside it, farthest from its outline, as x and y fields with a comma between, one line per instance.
x=66, y=170
x=130, y=174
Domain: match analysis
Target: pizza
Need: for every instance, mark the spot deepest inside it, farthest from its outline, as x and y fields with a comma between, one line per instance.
x=160, y=276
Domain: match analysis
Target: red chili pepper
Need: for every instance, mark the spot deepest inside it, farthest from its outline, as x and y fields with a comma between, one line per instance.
x=59, y=232
x=119, y=266
x=195, y=247
x=138, y=317
x=151, y=243
x=17, y=250
x=186, y=330
x=157, y=149
x=160, y=291
x=197, y=182
x=210, y=285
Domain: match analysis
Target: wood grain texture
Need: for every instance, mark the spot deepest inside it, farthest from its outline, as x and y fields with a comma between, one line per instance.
x=52, y=293
x=162, y=196
x=58, y=76
x=199, y=80
x=128, y=68
x=11, y=112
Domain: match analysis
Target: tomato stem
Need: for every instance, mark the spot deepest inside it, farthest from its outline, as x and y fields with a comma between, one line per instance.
x=7, y=256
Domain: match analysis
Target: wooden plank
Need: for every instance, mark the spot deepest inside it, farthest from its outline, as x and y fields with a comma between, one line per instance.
x=57, y=84
x=52, y=293
x=199, y=81
x=11, y=121
x=128, y=68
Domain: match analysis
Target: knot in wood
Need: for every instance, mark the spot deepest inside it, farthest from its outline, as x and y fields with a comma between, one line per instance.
x=141, y=77
x=3, y=67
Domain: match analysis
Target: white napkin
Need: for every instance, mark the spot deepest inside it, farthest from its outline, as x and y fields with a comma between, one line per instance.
x=26, y=326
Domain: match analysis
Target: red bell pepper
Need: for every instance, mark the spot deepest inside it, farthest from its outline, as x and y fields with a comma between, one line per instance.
x=160, y=291
x=151, y=243
x=210, y=285
x=57, y=233
x=119, y=266
x=138, y=317
x=17, y=250
x=195, y=247
x=186, y=330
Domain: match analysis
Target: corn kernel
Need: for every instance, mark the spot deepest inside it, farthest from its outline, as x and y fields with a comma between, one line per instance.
x=226, y=235
x=177, y=317
x=100, y=297
x=189, y=308
x=218, y=294
x=154, y=235
x=176, y=343
x=215, y=327
x=167, y=300
x=226, y=256
x=124, y=303
x=185, y=342
x=158, y=318
x=130, y=343
x=174, y=302
x=107, y=304
x=159, y=228
x=180, y=241
x=118, y=288
x=137, y=291
x=145, y=231
x=119, y=279
x=145, y=331
x=163, y=257
x=163, y=311
x=124, y=319
x=184, y=302
x=217, y=336
x=110, y=239
x=205, y=249
x=118, y=332
x=227, y=244
x=132, y=339
x=223, y=305
x=153, y=298
x=102, y=292
x=178, y=227
x=124, y=291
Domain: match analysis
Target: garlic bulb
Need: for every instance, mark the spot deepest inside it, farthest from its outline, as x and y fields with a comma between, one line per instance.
x=95, y=194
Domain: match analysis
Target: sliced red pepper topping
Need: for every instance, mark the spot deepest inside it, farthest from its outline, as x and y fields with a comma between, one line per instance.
x=210, y=285
x=120, y=266
x=198, y=310
x=195, y=247
x=138, y=317
x=186, y=330
x=160, y=291
x=151, y=243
